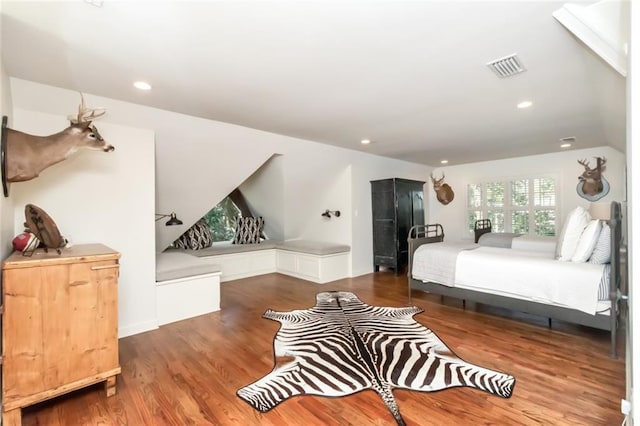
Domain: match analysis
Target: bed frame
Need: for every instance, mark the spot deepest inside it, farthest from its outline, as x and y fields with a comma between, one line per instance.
x=481, y=227
x=424, y=234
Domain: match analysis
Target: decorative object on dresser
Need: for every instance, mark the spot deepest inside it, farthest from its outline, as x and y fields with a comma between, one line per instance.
x=363, y=347
x=25, y=242
x=45, y=229
x=25, y=156
x=444, y=193
x=59, y=325
x=398, y=204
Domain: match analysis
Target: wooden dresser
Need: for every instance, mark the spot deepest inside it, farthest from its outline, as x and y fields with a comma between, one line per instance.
x=59, y=325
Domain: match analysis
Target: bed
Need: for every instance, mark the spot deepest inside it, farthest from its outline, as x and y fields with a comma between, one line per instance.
x=484, y=236
x=581, y=293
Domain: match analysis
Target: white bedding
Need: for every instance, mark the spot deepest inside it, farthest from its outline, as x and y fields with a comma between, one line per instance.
x=527, y=275
x=535, y=243
x=436, y=262
x=535, y=277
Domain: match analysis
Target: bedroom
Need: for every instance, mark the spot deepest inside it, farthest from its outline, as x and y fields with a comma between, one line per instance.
x=166, y=151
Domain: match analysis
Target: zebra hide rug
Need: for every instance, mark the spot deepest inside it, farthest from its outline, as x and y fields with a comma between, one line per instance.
x=342, y=346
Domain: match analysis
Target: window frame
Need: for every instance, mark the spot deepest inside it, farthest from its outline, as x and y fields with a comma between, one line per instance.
x=507, y=209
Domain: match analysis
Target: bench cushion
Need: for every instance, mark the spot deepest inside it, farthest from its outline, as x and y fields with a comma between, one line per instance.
x=227, y=247
x=174, y=264
x=319, y=248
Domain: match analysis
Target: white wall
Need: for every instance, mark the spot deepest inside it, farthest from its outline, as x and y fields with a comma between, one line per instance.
x=264, y=192
x=97, y=197
x=199, y=162
x=563, y=165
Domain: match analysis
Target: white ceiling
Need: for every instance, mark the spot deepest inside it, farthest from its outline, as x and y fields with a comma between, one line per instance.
x=409, y=75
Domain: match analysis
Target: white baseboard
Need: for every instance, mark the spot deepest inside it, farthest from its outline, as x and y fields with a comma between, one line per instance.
x=140, y=327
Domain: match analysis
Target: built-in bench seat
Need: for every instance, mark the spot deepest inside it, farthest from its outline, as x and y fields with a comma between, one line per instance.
x=188, y=281
x=318, y=248
x=316, y=261
x=174, y=264
x=186, y=286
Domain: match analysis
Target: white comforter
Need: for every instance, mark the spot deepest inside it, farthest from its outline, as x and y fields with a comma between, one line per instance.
x=525, y=275
x=436, y=262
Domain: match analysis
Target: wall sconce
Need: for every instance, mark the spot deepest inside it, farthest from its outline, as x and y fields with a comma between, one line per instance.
x=328, y=213
x=173, y=220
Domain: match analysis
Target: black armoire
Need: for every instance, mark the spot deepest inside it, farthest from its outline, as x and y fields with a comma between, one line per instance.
x=397, y=205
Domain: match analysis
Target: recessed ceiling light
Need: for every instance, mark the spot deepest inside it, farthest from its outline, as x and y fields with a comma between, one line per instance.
x=565, y=145
x=444, y=161
x=142, y=85
x=524, y=104
x=365, y=141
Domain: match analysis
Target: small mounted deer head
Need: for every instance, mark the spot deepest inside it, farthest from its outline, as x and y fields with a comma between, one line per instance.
x=29, y=155
x=444, y=193
x=592, y=178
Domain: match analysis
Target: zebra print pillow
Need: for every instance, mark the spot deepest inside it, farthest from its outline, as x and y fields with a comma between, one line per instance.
x=248, y=230
x=197, y=237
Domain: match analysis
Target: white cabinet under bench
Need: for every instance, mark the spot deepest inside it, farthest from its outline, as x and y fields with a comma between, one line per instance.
x=315, y=261
x=186, y=286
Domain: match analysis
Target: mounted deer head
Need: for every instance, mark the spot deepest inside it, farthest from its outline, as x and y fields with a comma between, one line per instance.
x=444, y=193
x=29, y=155
x=592, y=178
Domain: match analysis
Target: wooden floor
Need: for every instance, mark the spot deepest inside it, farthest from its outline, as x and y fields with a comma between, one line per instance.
x=187, y=373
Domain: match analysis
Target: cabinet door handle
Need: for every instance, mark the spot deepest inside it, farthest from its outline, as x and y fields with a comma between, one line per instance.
x=97, y=268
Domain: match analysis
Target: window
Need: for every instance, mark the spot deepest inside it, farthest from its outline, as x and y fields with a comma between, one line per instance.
x=221, y=220
x=526, y=205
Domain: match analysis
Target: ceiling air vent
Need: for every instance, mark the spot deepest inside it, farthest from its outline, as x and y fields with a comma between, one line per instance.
x=507, y=66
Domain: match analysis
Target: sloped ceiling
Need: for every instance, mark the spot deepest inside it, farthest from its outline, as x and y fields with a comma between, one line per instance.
x=410, y=76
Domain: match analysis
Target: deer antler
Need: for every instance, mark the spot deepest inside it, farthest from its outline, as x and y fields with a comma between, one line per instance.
x=437, y=181
x=601, y=162
x=85, y=114
x=584, y=163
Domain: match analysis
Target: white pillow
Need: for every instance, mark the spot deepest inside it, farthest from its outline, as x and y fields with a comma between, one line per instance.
x=577, y=220
x=587, y=241
x=602, y=252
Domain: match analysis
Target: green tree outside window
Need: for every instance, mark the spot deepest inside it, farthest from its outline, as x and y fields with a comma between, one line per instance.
x=221, y=220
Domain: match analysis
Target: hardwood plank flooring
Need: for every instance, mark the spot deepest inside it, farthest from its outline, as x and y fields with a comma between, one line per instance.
x=187, y=373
